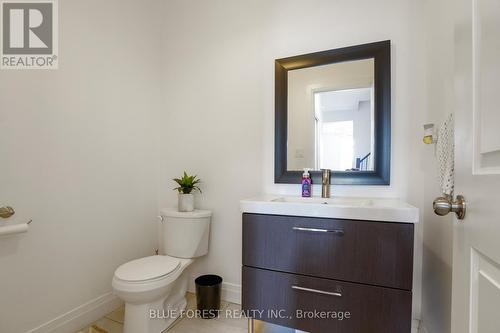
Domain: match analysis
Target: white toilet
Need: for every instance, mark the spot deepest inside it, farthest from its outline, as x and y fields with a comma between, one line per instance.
x=156, y=285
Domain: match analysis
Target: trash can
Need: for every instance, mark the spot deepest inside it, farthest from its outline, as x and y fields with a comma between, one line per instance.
x=208, y=293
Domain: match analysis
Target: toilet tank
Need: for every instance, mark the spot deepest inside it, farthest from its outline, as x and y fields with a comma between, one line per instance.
x=185, y=234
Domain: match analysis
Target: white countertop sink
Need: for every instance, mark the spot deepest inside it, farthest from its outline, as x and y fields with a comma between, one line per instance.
x=371, y=209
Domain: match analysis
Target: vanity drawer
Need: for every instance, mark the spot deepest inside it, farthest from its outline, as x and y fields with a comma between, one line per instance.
x=377, y=253
x=371, y=309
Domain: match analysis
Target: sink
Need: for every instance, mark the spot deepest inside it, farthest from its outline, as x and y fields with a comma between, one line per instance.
x=337, y=201
x=368, y=209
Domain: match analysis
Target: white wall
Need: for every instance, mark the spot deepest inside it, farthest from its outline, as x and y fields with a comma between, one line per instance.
x=78, y=155
x=438, y=231
x=219, y=101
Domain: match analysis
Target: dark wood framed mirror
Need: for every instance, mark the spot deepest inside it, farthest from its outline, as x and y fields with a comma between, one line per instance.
x=333, y=111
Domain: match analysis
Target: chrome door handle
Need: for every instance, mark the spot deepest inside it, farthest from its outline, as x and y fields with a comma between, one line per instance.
x=6, y=212
x=444, y=205
x=316, y=291
x=339, y=232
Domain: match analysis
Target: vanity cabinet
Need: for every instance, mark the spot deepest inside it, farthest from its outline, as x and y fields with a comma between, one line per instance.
x=324, y=266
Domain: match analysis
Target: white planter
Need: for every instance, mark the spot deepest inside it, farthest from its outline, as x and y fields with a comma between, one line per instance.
x=186, y=202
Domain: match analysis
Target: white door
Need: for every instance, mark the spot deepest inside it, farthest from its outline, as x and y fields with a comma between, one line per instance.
x=476, y=248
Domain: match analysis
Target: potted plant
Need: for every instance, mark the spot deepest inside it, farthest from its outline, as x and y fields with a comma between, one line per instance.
x=186, y=185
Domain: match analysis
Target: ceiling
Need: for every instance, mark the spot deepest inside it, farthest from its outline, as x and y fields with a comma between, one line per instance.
x=342, y=100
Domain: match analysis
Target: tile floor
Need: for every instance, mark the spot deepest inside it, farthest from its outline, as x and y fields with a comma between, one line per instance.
x=113, y=322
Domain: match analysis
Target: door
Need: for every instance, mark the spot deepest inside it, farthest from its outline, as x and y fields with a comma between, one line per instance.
x=476, y=248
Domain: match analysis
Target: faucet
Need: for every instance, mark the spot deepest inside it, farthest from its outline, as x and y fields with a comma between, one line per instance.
x=325, y=183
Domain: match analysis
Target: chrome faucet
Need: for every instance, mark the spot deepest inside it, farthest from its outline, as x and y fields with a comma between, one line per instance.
x=325, y=183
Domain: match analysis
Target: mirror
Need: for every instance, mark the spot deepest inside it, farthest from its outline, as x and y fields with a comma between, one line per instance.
x=330, y=117
x=333, y=112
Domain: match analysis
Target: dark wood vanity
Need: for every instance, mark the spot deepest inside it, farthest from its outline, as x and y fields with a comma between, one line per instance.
x=332, y=271
x=296, y=269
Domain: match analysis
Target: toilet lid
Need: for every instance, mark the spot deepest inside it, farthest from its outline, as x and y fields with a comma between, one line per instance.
x=147, y=268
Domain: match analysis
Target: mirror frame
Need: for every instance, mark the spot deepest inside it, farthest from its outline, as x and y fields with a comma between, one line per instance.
x=381, y=53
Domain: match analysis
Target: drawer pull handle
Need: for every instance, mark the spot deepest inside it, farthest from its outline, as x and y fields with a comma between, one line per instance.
x=316, y=291
x=339, y=232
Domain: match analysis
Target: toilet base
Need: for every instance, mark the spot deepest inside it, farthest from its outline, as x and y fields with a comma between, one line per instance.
x=157, y=316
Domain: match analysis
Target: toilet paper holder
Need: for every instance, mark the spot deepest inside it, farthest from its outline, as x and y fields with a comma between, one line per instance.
x=7, y=211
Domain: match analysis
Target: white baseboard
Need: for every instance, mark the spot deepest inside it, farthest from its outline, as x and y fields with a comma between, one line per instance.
x=422, y=328
x=231, y=292
x=415, y=325
x=81, y=316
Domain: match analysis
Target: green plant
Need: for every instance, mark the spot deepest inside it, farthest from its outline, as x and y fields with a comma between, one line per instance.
x=187, y=183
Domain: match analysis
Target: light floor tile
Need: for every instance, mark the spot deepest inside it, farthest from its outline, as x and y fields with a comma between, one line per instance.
x=233, y=317
x=118, y=315
x=171, y=327
x=105, y=325
x=92, y=329
x=191, y=302
x=234, y=307
x=230, y=321
x=218, y=325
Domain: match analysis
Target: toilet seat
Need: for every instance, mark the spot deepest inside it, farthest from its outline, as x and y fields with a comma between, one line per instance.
x=147, y=269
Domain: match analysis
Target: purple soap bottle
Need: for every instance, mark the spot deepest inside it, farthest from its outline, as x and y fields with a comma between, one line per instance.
x=306, y=184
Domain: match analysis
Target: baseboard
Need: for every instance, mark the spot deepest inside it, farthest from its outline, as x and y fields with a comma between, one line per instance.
x=422, y=328
x=80, y=316
x=415, y=325
x=231, y=292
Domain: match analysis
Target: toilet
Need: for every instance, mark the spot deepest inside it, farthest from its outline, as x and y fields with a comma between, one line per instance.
x=154, y=288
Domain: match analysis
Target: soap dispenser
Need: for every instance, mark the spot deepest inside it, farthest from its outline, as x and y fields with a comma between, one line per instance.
x=306, y=183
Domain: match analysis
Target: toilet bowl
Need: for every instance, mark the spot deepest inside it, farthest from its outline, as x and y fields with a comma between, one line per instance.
x=154, y=288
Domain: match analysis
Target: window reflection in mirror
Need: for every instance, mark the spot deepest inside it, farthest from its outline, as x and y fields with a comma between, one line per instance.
x=331, y=117
x=344, y=129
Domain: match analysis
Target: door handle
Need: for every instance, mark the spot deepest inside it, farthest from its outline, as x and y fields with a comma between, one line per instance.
x=6, y=212
x=444, y=205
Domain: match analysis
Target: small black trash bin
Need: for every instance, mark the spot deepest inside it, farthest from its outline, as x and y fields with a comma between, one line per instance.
x=208, y=293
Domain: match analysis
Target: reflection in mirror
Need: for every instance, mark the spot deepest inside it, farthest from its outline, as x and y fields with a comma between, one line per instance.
x=331, y=117
x=344, y=129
